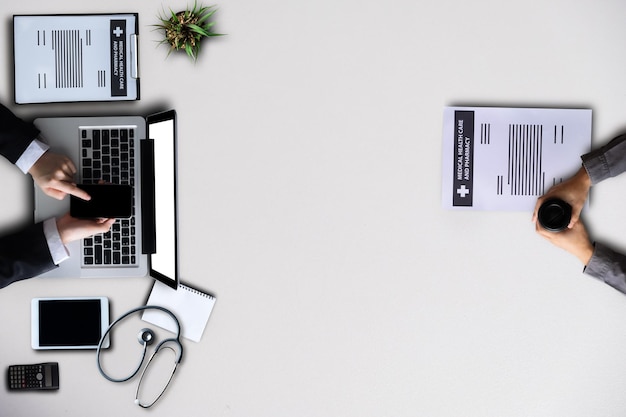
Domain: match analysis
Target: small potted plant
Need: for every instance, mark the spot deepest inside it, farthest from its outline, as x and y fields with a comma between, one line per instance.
x=185, y=30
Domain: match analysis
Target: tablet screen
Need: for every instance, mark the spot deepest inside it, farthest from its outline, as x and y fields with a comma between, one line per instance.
x=69, y=323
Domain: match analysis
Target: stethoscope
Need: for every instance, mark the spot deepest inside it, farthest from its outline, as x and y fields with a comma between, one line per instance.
x=145, y=338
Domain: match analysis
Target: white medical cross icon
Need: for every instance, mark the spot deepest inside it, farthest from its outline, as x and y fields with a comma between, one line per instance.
x=463, y=191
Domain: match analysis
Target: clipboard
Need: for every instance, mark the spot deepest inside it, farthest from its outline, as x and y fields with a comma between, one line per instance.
x=76, y=57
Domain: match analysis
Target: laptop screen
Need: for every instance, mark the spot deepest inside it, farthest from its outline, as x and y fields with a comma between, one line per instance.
x=164, y=261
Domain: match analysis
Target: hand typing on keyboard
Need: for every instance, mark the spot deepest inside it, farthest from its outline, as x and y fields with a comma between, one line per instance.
x=54, y=174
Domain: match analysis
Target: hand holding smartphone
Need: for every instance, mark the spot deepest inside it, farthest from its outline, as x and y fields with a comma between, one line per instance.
x=108, y=201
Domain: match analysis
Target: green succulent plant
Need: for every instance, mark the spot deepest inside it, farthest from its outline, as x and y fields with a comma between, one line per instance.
x=185, y=30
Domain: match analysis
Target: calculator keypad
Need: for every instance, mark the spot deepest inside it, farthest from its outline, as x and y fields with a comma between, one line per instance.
x=21, y=376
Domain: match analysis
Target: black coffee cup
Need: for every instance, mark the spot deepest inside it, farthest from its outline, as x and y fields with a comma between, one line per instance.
x=554, y=215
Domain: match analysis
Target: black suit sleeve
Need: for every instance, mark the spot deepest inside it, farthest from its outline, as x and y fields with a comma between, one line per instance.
x=15, y=135
x=24, y=254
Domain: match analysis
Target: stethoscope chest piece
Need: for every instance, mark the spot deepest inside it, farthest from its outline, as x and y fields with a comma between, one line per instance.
x=145, y=337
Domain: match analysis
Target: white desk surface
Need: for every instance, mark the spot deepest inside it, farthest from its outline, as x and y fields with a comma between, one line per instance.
x=310, y=147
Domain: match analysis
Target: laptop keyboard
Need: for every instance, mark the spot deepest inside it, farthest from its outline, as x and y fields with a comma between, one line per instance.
x=108, y=154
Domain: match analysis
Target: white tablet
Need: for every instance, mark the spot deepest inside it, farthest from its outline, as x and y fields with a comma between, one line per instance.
x=69, y=323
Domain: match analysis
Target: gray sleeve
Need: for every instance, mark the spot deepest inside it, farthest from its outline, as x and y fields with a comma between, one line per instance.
x=607, y=161
x=608, y=266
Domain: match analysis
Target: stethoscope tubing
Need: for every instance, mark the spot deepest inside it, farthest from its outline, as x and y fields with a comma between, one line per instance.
x=143, y=355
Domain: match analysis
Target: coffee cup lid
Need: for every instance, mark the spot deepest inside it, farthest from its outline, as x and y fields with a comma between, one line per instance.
x=554, y=215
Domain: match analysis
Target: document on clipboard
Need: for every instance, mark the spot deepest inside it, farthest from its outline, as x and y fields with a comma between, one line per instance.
x=504, y=158
x=74, y=58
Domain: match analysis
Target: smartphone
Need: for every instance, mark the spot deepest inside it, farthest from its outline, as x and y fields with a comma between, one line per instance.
x=107, y=201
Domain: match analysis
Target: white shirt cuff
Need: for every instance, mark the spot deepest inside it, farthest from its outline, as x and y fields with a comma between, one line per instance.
x=58, y=251
x=31, y=155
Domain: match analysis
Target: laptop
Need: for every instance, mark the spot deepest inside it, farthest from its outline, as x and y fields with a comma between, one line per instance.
x=129, y=150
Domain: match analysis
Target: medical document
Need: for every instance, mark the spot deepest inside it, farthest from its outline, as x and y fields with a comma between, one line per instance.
x=504, y=158
x=61, y=58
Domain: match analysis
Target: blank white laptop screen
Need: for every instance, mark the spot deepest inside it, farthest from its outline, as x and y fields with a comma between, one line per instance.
x=164, y=260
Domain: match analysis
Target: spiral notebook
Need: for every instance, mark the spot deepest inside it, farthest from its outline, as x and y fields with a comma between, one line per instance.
x=192, y=308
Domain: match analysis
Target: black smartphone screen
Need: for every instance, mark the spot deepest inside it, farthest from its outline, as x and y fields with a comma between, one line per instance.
x=107, y=201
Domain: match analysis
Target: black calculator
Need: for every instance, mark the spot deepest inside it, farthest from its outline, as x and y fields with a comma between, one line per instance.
x=41, y=376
